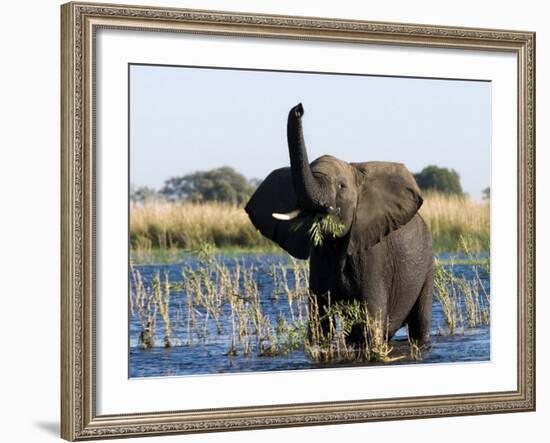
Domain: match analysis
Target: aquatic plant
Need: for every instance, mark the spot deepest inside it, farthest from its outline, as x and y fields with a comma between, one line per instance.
x=221, y=300
x=142, y=304
x=161, y=292
x=415, y=351
x=465, y=301
x=343, y=318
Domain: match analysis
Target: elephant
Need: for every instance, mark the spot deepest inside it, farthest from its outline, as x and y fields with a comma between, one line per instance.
x=382, y=257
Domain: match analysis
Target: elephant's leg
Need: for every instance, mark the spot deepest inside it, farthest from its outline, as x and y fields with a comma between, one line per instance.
x=356, y=337
x=375, y=330
x=420, y=318
x=320, y=297
x=319, y=323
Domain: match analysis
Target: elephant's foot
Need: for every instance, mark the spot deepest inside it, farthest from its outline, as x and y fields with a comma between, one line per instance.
x=356, y=338
x=419, y=319
x=318, y=331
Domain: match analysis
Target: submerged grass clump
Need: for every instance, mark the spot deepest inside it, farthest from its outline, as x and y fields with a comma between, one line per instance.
x=161, y=292
x=331, y=326
x=143, y=305
x=220, y=300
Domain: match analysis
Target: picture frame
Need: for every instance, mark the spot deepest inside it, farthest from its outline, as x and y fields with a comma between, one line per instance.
x=80, y=177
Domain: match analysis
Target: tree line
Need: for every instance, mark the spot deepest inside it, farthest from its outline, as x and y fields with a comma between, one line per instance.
x=227, y=185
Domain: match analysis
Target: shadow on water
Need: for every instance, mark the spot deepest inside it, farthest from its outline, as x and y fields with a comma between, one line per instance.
x=210, y=355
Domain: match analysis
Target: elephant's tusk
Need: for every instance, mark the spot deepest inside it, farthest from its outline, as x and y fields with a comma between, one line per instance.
x=288, y=216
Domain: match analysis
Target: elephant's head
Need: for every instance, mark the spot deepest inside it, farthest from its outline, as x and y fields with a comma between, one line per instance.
x=369, y=200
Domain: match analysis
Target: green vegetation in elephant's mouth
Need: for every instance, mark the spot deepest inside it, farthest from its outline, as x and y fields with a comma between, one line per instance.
x=322, y=226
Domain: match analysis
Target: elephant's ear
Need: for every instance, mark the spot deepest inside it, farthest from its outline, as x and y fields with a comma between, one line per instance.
x=276, y=195
x=388, y=198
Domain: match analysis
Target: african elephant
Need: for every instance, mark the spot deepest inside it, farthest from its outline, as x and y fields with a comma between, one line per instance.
x=382, y=256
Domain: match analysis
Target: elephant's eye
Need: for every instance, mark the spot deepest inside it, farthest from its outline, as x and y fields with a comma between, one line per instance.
x=341, y=185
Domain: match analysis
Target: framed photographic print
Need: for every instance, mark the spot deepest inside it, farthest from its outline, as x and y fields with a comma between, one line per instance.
x=281, y=221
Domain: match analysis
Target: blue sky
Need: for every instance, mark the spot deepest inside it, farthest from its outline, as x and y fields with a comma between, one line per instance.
x=189, y=119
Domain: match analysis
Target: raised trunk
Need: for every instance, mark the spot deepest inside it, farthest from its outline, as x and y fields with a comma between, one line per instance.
x=307, y=188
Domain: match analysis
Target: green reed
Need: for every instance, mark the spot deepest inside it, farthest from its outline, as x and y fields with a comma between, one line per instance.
x=143, y=304
x=212, y=299
x=465, y=302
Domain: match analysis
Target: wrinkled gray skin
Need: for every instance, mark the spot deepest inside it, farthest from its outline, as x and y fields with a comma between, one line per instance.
x=383, y=258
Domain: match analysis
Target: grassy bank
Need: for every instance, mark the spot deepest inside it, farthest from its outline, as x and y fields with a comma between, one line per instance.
x=451, y=217
x=190, y=225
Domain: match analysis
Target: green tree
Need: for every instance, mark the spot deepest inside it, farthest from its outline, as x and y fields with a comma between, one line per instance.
x=142, y=194
x=486, y=193
x=434, y=178
x=222, y=184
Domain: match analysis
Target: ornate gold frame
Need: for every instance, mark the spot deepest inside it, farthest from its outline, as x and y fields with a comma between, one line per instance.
x=79, y=21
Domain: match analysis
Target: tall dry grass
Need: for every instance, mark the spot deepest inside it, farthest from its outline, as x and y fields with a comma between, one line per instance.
x=451, y=217
x=161, y=224
x=164, y=225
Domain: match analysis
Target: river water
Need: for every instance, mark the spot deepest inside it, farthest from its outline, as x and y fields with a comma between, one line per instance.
x=209, y=353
